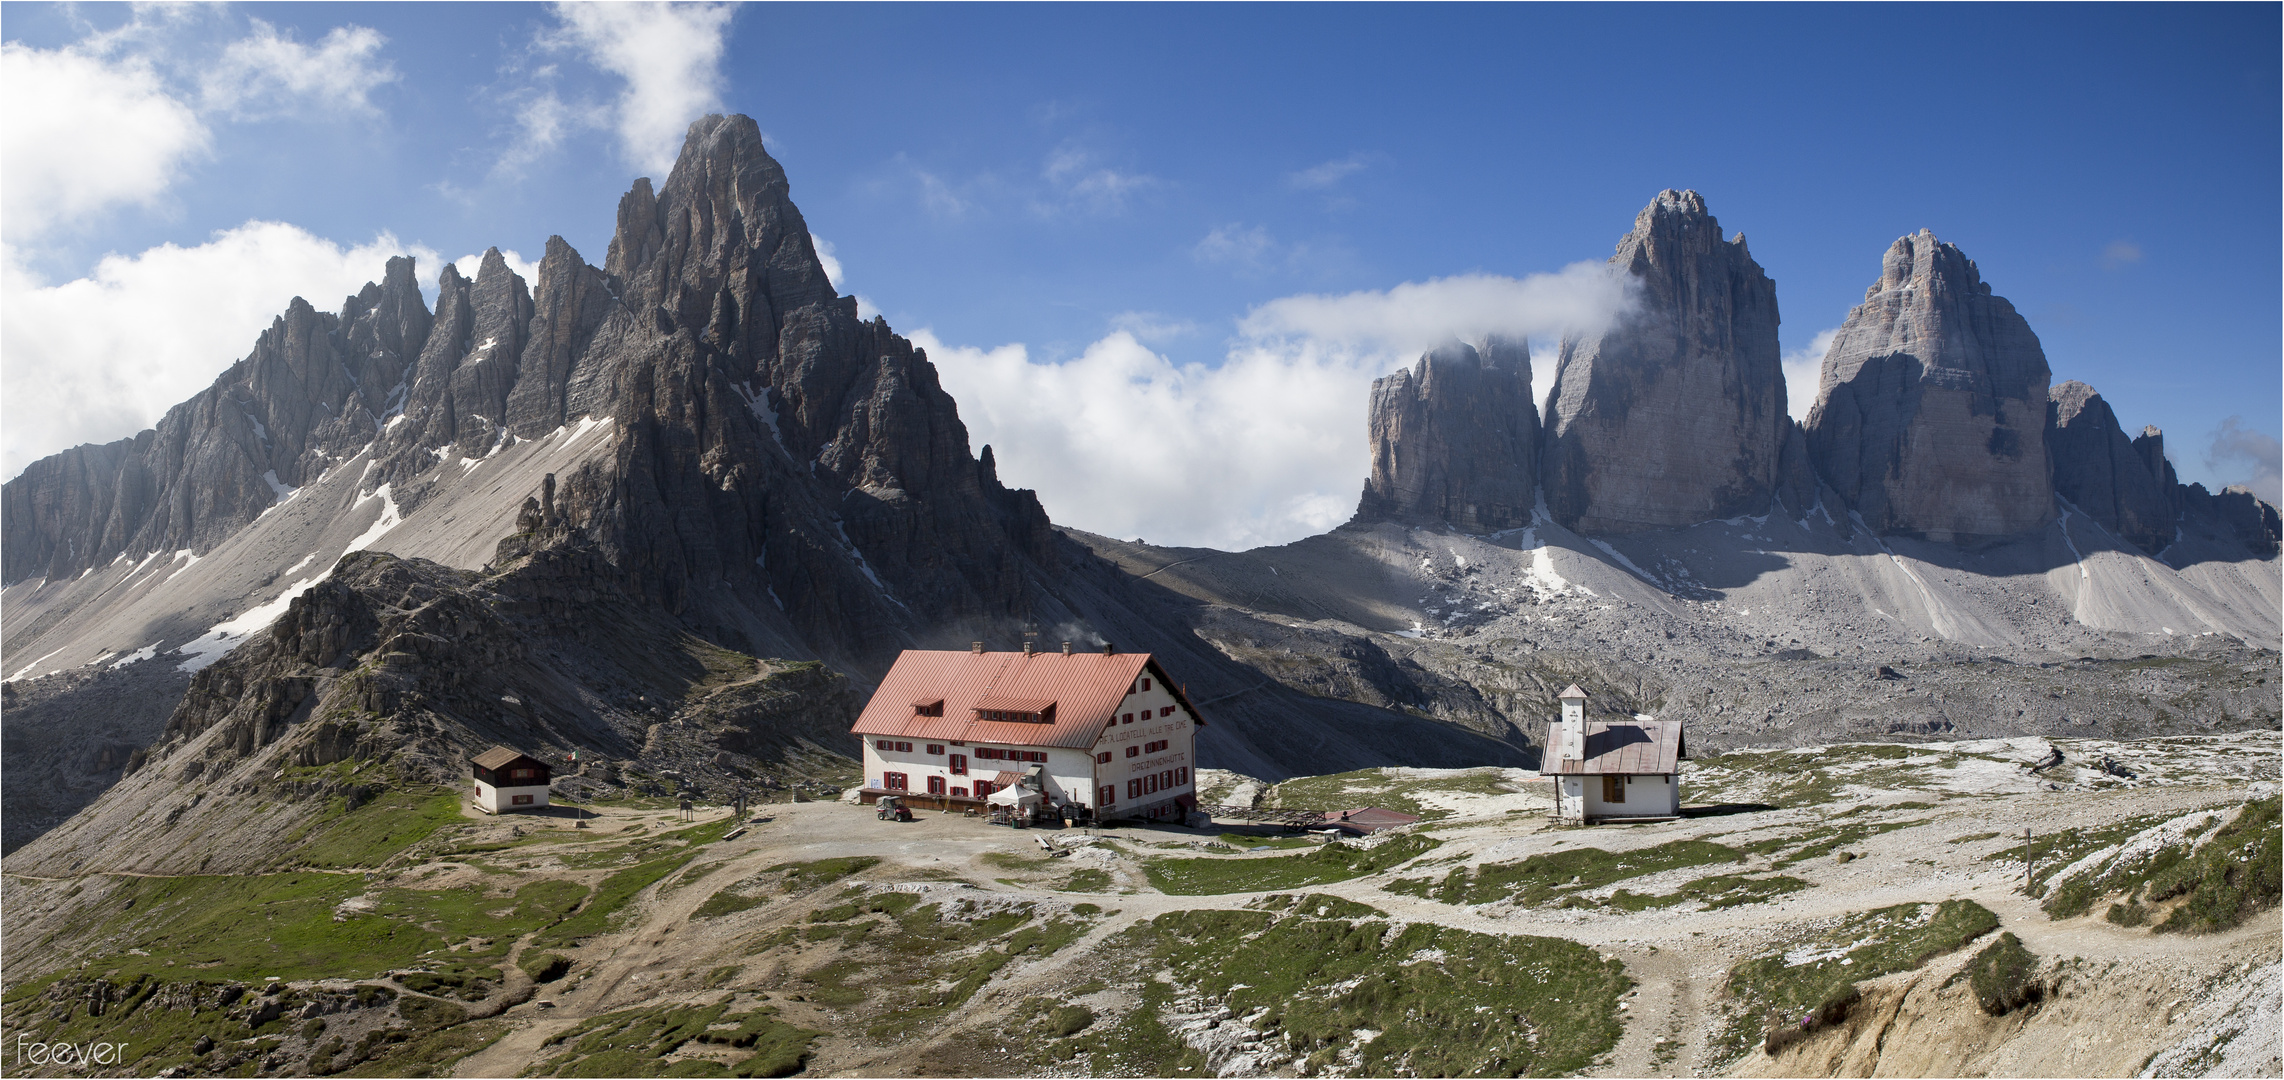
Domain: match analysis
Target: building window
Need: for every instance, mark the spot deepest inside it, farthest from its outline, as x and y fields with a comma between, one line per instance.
x=929, y=708
x=1150, y=785
x=956, y=742
x=520, y=800
x=935, y=748
x=895, y=781
x=1145, y=685
x=881, y=744
x=1167, y=711
x=1182, y=776
x=903, y=748
x=935, y=785
x=959, y=793
x=959, y=764
x=984, y=788
x=1109, y=794
x=1133, y=750
x=1102, y=758
x=1154, y=747
x=1134, y=789
x=1126, y=719
x=1613, y=789
x=1035, y=755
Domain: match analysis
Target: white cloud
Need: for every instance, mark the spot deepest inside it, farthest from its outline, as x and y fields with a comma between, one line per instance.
x=268, y=73
x=1411, y=318
x=469, y=265
x=2255, y=459
x=1329, y=173
x=104, y=356
x=85, y=134
x=1149, y=326
x=670, y=56
x=825, y=256
x=1804, y=373
x=1266, y=447
x=2120, y=254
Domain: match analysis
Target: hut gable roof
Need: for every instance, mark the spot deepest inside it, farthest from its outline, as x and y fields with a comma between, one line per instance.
x=1084, y=690
x=500, y=757
x=1635, y=747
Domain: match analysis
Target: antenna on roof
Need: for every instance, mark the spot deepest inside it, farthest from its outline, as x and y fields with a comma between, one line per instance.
x=1030, y=638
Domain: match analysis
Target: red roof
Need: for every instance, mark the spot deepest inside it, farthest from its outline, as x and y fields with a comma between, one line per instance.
x=1620, y=748
x=1085, y=688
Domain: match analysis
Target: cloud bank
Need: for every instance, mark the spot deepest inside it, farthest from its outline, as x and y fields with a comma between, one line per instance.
x=1804, y=373
x=669, y=57
x=104, y=356
x=1266, y=447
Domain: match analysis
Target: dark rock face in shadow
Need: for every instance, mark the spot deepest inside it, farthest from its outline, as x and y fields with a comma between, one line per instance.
x=1455, y=440
x=2101, y=473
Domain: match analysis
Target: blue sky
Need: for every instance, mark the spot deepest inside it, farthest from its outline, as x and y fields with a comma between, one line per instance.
x=1105, y=221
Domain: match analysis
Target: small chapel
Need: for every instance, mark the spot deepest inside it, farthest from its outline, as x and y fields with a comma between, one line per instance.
x=1613, y=770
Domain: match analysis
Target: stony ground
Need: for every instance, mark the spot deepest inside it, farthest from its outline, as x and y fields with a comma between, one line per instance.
x=947, y=946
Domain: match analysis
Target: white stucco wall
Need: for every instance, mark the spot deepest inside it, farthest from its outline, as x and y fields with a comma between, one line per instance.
x=1646, y=796
x=502, y=799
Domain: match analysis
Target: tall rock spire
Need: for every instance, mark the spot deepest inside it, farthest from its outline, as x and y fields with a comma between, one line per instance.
x=1675, y=414
x=1930, y=417
x=1455, y=439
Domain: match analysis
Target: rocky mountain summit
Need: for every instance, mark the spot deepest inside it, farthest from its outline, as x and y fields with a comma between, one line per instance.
x=1675, y=414
x=1929, y=418
x=1455, y=439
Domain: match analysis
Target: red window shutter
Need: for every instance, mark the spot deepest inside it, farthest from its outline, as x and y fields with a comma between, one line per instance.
x=1181, y=776
x=935, y=785
x=880, y=744
x=1134, y=789
x=1109, y=794
x=959, y=793
x=1133, y=750
x=1167, y=711
x=935, y=748
x=1126, y=719
x=1145, y=686
x=984, y=787
x=959, y=764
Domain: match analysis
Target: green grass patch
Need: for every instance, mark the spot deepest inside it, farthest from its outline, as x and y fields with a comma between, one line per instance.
x=1972, y=838
x=377, y=832
x=1247, y=843
x=1715, y=892
x=809, y=875
x=2235, y=875
x=544, y=967
x=1557, y=875
x=916, y=966
x=596, y=917
x=1446, y=1002
x=636, y=1042
x=1086, y=880
x=1328, y=864
x=2004, y=976
x=1779, y=996
x=1317, y=905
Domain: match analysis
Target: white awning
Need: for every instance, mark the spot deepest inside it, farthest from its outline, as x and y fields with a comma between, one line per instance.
x=1012, y=796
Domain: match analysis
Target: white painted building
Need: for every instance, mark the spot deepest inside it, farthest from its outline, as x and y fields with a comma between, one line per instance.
x=1608, y=770
x=1103, y=731
x=508, y=781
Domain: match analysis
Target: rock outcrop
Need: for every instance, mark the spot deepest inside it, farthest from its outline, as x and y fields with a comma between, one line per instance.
x=1676, y=414
x=1930, y=415
x=1455, y=440
x=2103, y=474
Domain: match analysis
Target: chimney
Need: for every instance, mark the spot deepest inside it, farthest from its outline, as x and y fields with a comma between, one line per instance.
x=1030, y=647
x=976, y=647
x=1066, y=648
x=1109, y=649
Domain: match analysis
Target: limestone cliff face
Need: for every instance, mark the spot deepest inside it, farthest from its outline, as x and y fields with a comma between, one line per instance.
x=1676, y=414
x=1930, y=416
x=1455, y=440
x=2103, y=474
